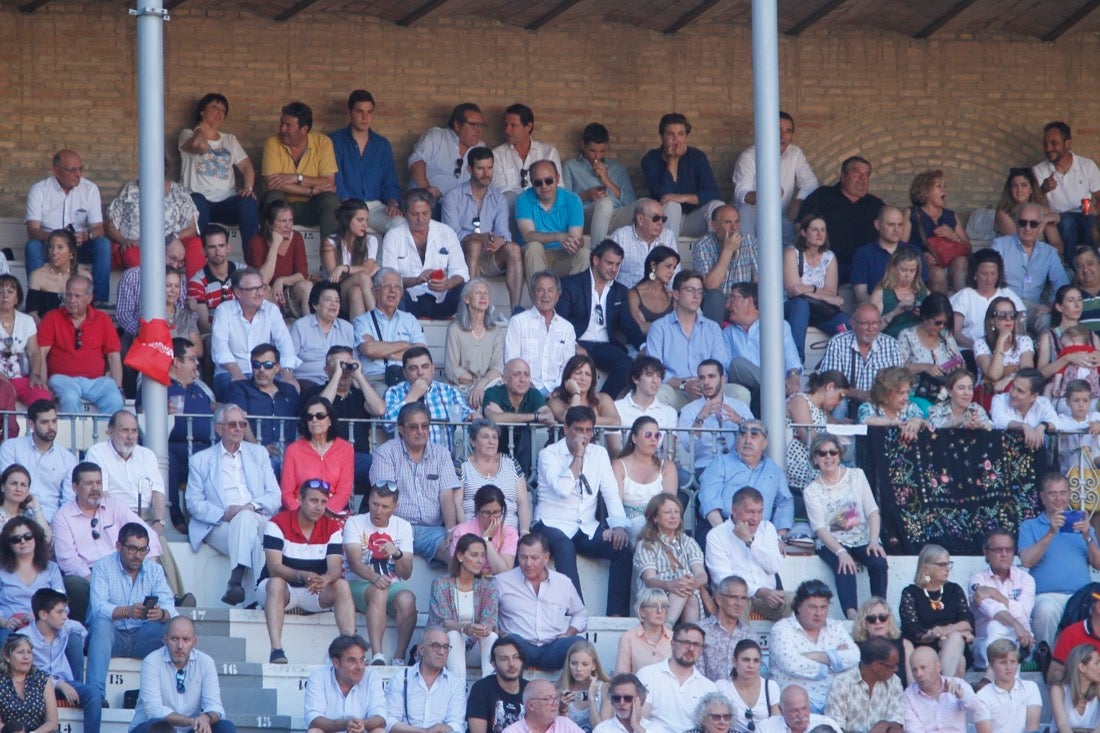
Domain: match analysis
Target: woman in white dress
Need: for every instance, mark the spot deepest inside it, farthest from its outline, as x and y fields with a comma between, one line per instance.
x=754, y=698
x=1074, y=699
x=641, y=474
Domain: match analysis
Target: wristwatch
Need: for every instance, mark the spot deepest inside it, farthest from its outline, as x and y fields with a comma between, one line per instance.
x=300, y=179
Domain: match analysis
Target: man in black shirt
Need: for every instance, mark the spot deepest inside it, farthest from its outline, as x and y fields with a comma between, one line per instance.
x=496, y=701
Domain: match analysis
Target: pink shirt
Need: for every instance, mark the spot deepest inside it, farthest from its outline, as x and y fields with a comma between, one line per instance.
x=506, y=540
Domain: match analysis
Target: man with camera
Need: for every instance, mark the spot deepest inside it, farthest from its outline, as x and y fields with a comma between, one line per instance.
x=353, y=397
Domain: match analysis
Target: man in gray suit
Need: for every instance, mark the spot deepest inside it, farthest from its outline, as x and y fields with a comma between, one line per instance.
x=231, y=493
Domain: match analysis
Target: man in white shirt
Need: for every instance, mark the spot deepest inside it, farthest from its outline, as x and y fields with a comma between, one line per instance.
x=640, y=238
x=1068, y=180
x=540, y=336
x=50, y=465
x=795, y=175
x=676, y=685
x=346, y=695
x=427, y=697
x=747, y=545
x=513, y=158
x=571, y=472
x=647, y=375
x=794, y=714
x=1025, y=409
x=627, y=700
x=1002, y=597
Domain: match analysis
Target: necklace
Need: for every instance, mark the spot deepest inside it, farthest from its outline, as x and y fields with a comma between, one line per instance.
x=937, y=602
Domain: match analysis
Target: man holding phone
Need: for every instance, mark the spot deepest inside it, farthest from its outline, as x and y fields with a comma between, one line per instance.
x=131, y=602
x=1058, y=547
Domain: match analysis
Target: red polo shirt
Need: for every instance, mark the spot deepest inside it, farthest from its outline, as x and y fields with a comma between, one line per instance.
x=98, y=338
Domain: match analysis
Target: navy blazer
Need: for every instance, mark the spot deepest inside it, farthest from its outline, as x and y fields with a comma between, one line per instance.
x=575, y=306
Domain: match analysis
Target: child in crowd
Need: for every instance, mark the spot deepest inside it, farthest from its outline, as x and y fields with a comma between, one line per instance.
x=1009, y=704
x=1075, y=340
x=1078, y=397
x=583, y=686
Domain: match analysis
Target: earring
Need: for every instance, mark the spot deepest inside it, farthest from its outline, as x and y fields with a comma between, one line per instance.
x=652, y=275
x=926, y=579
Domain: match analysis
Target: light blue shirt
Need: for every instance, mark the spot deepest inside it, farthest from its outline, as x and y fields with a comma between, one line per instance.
x=747, y=344
x=50, y=657
x=577, y=176
x=1064, y=566
x=708, y=444
x=325, y=699
x=234, y=337
x=159, y=695
x=1028, y=276
x=51, y=472
x=443, y=702
x=460, y=210
x=312, y=346
x=15, y=595
x=112, y=586
x=566, y=211
x=727, y=473
x=402, y=326
x=681, y=353
x=438, y=149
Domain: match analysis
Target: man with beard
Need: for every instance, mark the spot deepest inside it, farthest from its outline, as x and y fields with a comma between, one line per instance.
x=210, y=287
x=676, y=685
x=50, y=465
x=499, y=694
x=1068, y=179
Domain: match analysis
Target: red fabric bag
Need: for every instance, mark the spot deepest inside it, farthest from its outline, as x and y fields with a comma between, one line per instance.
x=151, y=352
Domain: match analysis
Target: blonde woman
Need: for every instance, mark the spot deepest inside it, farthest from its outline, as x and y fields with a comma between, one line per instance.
x=935, y=613
x=583, y=687
x=874, y=618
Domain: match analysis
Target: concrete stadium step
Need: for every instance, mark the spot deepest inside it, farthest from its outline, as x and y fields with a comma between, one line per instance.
x=118, y=721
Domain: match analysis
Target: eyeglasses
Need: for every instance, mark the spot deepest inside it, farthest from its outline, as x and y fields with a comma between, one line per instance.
x=72, y=169
x=1004, y=315
x=477, y=125
x=622, y=698
x=264, y=364
x=242, y=424
x=754, y=432
x=256, y=289
x=1028, y=223
x=18, y=539
x=943, y=564
x=685, y=642
x=181, y=675
x=735, y=597
x=436, y=646
x=78, y=335
x=877, y=618
x=651, y=434
x=720, y=717
x=540, y=182
x=458, y=167
x=314, y=415
x=599, y=314
x=831, y=452
x=134, y=549
x=545, y=700
x=658, y=218
x=657, y=606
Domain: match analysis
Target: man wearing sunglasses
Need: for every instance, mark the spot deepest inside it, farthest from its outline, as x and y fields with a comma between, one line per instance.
x=868, y=698
x=627, y=700
x=1002, y=597
x=640, y=238
x=550, y=222
x=274, y=404
x=1031, y=266
x=231, y=491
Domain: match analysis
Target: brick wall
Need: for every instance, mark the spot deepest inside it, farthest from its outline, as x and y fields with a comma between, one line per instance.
x=974, y=106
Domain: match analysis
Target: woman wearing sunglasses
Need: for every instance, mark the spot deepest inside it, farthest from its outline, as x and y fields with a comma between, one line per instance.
x=745, y=684
x=641, y=474
x=713, y=714
x=875, y=618
x=929, y=349
x=25, y=567
x=844, y=516
x=319, y=453
x=1001, y=353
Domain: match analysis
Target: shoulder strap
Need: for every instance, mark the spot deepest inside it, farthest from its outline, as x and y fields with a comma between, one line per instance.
x=801, y=261
x=405, y=696
x=378, y=330
x=767, y=697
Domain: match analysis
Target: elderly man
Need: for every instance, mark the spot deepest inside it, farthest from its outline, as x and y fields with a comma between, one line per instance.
x=725, y=628
x=231, y=490
x=603, y=184
x=50, y=465
x=682, y=339
x=628, y=696
x=724, y=256
x=305, y=566
x=496, y=701
x=571, y=473
x=442, y=148
x=1086, y=264
x=1068, y=180
x=1025, y=408
x=76, y=340
x=796, y=180
x=640, y=238
x=243, y=324
x=550, y=220
x=541, y=701
x=428, y=256
x=517, y=402
x=515, y=158
x=714, y=410
x=121, y=623
x=179, y=685
x=540, y=609
x=677, y=684
x=423, y=471
x=680, y=178
x=1031, y=266
x=345, y=695
x=795, y=715
x=596, y=304
x=809, y=648
x=427, y=698
x=212, y=285
x=1002, y=597
x=747, y=466
x=299, y=167
x=870, y=260
x=1058, y=547
x=935, y=703
x=444, y=402
x=743, y=341
x=364, y=161
x=862, y=352
x=867, y=698
x=385, y=333
x=540, y=336
x=849, y=210
x=478, y=212
x=747, y=545
x=84, y=532
x=67, y=200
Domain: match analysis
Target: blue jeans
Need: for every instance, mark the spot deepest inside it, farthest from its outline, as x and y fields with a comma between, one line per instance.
x=95, y=251
x=91, y=703
x=797, y=313
x=547, y=657
x=222, y=726
x=877, y=571
x=426, y=305
x=106, y=641
x=239, y=210
x=1075, y=228
x=72, y=391
x=564, y=550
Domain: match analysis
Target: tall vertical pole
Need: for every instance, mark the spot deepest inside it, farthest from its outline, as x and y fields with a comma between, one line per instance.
x=765, y=83
x=150, y=93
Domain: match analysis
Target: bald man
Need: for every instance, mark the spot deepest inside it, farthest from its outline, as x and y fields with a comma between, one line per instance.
x=935, y=703
x=795, y=716
x=540, y=711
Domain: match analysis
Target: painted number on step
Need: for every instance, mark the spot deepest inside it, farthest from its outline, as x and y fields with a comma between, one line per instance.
x=67, y=728
x=114, y=679
x=229, y=669
x=263, y=721
x=198, y=614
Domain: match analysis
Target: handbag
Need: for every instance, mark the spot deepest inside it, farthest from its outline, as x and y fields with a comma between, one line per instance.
x=151, y=353
x=943, y=249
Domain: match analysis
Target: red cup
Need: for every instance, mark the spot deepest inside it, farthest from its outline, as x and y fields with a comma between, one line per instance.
x=1086, y=206
x=438, y=274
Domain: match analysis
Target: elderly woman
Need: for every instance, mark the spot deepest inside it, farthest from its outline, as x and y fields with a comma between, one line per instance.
x=1022, y=188
x=279, y=253
x=844, y=516
x=207, y=159
x=652, y=297
x=824, y=391
x=348, y=257
x=901, y=291
x=488, y=523
x=874, y=618
x=935, y=613
x=985, y=281
x=485, y=464
x=753, y=697
x=713, y=714
x=890, y=405
x=27, y=695
x=651, y=640
x=475, y=343
x=668, y=558
x=314, y=335
x=319, y=453
x=932, y=225
x=810, y=281
x=959, y=410
x=465, y=604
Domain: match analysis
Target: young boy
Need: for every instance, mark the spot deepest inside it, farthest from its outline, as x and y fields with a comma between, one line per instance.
x=49, y=636
x=1009, y=705
x=1078, y=400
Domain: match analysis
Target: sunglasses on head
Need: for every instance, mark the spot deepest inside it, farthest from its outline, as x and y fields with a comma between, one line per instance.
x=319, y=484
x=18, y=539
x=1028, y=223
x=264, y=364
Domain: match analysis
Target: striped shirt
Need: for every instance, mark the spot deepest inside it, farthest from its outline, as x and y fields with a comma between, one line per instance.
x=307, y=554
x=842, y=354
x=420, y=483
x=209, y=290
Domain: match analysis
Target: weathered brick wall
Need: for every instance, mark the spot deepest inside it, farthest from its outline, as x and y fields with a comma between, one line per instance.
x=974, y=106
